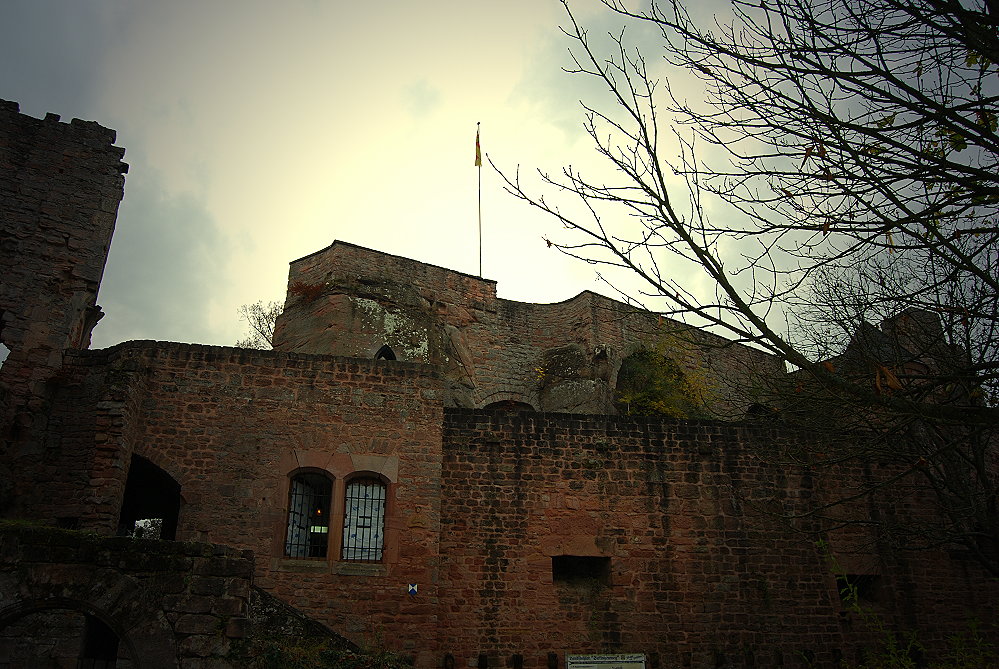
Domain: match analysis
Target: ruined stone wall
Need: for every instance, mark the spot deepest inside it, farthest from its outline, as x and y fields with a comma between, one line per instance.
x=170, y=604
x=697, y=570
x=701, y=571
x=232, y=425
x=348, y=300
x=60, y=185
x=76, y=475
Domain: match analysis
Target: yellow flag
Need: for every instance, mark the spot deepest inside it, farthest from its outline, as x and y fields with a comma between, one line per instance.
x=478, y=150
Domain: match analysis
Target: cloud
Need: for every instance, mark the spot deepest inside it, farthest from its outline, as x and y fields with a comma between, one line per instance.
x=166, y=267
x=259, y=136
x=421, y=98
x=51, y=51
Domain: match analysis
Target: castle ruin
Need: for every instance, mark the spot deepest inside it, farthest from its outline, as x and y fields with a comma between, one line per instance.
x=418, y=463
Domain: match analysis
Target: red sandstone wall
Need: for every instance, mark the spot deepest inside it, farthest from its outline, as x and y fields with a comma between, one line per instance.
x=230, y=425
x=700, y=577
x=60, y=185
x=701, y=571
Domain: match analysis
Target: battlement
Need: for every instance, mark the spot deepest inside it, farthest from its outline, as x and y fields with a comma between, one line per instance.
x=89, y=133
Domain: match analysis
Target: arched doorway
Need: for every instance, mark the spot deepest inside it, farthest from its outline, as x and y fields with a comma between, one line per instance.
x=58, y=633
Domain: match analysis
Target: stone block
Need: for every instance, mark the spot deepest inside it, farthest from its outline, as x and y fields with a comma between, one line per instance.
x=195, y=623
x=203, y=645
x=236, y=627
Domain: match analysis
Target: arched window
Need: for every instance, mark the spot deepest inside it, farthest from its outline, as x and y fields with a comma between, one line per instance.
x=308, y=516
x=364, y=521
x=385, y=353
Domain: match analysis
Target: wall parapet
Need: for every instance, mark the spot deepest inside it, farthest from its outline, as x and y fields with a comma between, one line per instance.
x=165, y=350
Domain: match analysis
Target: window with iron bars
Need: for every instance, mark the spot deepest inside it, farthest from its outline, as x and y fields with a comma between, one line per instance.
x=364, y=521
x=308, y=516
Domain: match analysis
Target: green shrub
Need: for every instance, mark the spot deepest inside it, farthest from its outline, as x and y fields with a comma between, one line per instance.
x=970, y=649
x=652, y=383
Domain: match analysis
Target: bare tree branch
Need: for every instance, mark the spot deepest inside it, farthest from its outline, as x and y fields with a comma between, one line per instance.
x=861, y=165
x=260, y=318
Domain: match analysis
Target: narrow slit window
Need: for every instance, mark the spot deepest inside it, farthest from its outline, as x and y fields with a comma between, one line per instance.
x=308, y=516
x=364, y=521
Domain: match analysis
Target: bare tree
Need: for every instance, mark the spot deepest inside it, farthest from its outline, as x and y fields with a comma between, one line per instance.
x=860, y=166
x=260, y=317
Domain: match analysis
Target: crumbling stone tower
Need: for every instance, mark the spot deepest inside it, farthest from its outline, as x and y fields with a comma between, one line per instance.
x=60, y=186
x=565, y=357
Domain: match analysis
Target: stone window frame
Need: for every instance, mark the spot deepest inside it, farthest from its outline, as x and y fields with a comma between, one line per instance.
x=289, y=511
x=340, y=477
x=385, y=531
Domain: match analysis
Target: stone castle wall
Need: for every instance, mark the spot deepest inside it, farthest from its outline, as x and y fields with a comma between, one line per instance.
x=348, y=300
x=703, y=570
x=526, y=535
x=170, y=604
x=231, y=426
x=700, y=566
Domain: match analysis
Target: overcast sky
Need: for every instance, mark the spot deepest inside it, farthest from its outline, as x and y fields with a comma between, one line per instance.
x=258, y=132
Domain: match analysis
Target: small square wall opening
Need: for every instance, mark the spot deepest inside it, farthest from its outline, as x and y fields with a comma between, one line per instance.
x=581, y=569
x=864, y=587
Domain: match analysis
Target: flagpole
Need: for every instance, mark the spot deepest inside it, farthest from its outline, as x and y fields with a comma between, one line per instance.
x=478, y=163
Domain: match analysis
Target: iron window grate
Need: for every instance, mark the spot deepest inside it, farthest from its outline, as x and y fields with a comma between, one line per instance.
x=364, y=521
x=308, y=516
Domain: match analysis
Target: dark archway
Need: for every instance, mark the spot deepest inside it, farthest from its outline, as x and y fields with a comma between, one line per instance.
x=100, y=643
x=150, y=495
x=385, y=353
x=510, y=406
x=651, y=383
x=57, y=631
